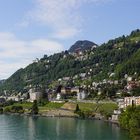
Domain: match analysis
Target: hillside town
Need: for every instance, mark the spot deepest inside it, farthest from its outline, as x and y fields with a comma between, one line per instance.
x=69, y=70
x=93, y=93
x=87, y=81
x=123, y=92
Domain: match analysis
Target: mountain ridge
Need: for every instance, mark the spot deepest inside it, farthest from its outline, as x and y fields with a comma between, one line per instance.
x=82, y=45
x=107, y=61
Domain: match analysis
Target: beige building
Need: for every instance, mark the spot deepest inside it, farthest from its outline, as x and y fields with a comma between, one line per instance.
x=68, y=90
x=81, y=95
x=76, y=89
x=65, y=90
x=129, y=100
x=34, y=95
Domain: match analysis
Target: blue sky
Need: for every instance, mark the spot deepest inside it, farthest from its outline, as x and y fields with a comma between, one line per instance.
x=31, y=28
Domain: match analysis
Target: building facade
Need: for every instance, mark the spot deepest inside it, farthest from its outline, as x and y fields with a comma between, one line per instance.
x=130, y=100
x=81, y=95
x=34, y=95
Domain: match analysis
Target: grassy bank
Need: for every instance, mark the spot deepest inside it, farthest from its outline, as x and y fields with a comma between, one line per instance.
x=28, y=105
x=91, y=109
x=88, y=109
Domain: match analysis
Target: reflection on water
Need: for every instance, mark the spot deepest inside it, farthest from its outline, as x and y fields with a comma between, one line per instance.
x=58, y=128
x=80, y=130
x=29, y=128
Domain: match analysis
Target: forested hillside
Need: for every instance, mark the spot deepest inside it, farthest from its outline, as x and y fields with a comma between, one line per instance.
x=111, y=60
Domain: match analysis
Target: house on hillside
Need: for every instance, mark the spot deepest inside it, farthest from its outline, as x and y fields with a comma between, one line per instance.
x=131, y=100
x=35, y=94
x=75, y=90
x=78, y=52
x=67, y=92
x=66, y=78
x=131, y=85
x=120, y=103
x=129, y=79
x=13, y=98
x=81, y=95
x=115, y=115
x=51, y=94
x=82, y=75
x=2, y=100
x=58, y=97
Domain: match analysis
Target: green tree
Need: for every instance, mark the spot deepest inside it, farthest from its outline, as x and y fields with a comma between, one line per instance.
x=34, y=110
x=1, y=110
x=77, y=109
x=6, y=109
x=130, y=120
x=17, y=109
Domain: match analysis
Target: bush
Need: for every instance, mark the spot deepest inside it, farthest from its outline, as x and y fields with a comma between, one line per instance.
x=130, y=120
x=1, y=110
x=81, y=114
x=17, y=109
x=43, y=102
x=7, y=110
x=105, y=113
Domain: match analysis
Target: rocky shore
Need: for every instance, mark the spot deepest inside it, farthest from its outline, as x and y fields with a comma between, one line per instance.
x=64, y=113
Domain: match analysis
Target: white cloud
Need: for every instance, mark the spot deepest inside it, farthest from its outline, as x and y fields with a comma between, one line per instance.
x=66, y=33
x=16, y=53
x=7, y=69
x=62, y=16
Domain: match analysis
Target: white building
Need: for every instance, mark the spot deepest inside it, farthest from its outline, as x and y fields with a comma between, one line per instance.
x=82, y=75
x=58, y=96
x=117, y=112
x=116, y=82
x=13, y=98
x=75, y=89
x=34, y=95
x=81, y=95
x=121, y=103
x=66, y=78
x=115, y=115
x=99, y=91
x=112, y=74
x=130, y=100
x=129, y=79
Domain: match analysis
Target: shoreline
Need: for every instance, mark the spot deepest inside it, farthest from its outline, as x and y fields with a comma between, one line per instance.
x=62, y=116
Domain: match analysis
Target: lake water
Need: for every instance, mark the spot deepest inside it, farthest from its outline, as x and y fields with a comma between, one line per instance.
x=42, y=128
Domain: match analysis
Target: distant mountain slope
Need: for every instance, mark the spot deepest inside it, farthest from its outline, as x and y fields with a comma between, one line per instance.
x=130, y=66
x=111, y=60
x=2, y=81
x=82, y=45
